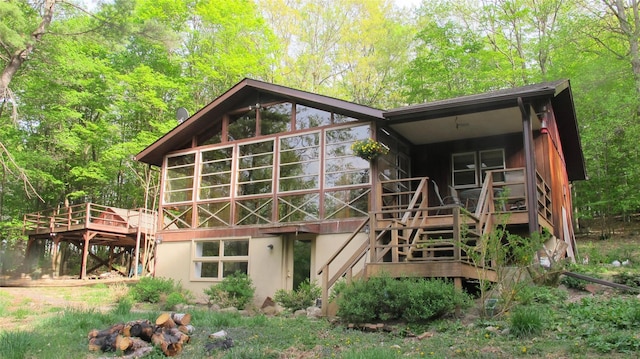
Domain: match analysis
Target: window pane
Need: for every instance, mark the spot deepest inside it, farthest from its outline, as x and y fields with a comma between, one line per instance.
x=342, y=168
x=256, y=168
x=176, y=217
x=337, y=118
x=206, y=269
x=275, y=119
x=300, y=165
x=304, y=207
x=464, y=169
x=254, y=211
x=236, y=248
x=230, y=268
x=181, y=160
x=308, y=117
x=243, y=126
x=347, y=204
x=208, y=249
x=178, y=184
x=214, y=214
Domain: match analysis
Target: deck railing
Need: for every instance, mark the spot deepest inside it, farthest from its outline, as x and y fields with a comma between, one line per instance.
x=80, y=216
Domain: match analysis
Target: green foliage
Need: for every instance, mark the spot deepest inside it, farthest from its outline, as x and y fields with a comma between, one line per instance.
x=235, y=290
x=174, y=299
x=150, y=289
x=16, y=345
x=627, y=278
x=409, y=299
x=576, y=283
x=300, y=298
x=529, y=295
x=527, y=321
x=123, y=306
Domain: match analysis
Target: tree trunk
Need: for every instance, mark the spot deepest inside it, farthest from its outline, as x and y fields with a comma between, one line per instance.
x=19, y=56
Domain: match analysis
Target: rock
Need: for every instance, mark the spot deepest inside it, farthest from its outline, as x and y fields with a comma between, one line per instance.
x=300, y=313
x=269, y=310
x=615, y=263
x=425, y=335
x=491, y=329
x=218, y=334
x=314, y=312
x=268, y=302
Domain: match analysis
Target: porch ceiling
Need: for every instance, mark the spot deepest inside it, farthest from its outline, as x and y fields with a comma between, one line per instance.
x=464, y=126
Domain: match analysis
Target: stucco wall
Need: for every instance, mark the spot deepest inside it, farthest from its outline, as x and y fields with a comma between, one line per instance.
x=267, y=267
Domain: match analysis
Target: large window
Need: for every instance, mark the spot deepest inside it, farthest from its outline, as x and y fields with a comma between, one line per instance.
x=215, y=173
x=342, y=167
x=215, y=259
x=469, y=168
x=178, y=184
x=299, y=162
x=255, y=168
x=308, y=176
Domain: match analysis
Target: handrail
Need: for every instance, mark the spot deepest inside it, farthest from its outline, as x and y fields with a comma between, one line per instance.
x=79, y=216
x=324, y=270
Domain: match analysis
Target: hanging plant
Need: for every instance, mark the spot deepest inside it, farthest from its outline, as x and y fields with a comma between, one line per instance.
x=368, y=149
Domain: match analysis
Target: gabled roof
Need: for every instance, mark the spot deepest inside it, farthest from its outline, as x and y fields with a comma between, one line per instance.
x=206, y=117
x=558, y=92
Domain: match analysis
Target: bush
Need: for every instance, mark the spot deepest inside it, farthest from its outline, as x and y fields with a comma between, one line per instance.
x=174, y=299
x=301, y=298
x=235, y=290
x=151, y=289
x=526, y=321
x=409, y=299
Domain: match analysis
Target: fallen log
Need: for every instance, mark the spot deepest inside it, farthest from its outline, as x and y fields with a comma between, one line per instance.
x=165, y=321
x=116, y=328
x=181, y=318
x=109, y=343
x=140, y=328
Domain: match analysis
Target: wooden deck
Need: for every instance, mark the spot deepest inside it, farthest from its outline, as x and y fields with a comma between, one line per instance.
x=409, y=238
x=126, y=232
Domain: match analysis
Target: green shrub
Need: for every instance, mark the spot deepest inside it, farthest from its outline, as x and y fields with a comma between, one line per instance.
x=540, y=294
x=124, y=306
x=526, y=321
x=235, y=290
x=174, y=299
x=301, y=298
x=628, y=279
x=150, y=289
x=409, y=299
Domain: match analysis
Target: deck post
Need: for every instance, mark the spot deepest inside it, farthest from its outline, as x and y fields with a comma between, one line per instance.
x=325, y=291
x=456, y=233
x=530, y=167
x=85, y=254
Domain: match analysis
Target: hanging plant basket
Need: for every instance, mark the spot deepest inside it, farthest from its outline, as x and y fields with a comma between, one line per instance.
x=368, y=149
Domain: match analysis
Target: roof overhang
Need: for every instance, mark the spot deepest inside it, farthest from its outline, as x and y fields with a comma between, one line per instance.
x=492, y=114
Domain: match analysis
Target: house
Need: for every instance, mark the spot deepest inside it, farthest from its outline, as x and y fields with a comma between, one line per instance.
x=263, y=180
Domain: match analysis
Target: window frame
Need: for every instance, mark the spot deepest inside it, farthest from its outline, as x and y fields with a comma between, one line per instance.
x=220, y=259
x=475, y=167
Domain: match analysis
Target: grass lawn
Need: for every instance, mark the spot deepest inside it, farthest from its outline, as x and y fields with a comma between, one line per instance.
x=549, y=323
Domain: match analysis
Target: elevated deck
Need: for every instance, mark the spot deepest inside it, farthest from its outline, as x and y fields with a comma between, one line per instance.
x=407, y=237
x=126, y=232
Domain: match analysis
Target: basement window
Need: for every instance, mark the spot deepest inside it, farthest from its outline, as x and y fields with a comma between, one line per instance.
x=215, y=259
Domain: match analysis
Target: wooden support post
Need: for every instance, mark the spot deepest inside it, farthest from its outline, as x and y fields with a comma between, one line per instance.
x=85, y=254
x=325, y=291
